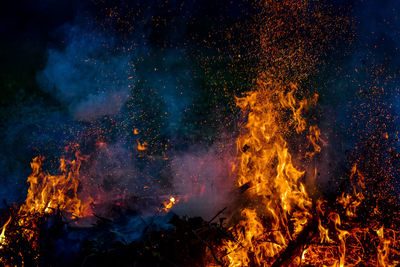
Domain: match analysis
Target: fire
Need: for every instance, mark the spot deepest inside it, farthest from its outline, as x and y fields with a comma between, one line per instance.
x=167, y=205
x=278, y=208
x=279, y=196
x=47, y=194
x=383, y=247
x=342, y=242
x=3, y=240
x=351, y=201
x=276, y=212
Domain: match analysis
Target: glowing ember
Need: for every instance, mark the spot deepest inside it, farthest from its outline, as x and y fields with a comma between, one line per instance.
x=142, y=146
x=100, y=144
x=170, y=203
x=342, y=242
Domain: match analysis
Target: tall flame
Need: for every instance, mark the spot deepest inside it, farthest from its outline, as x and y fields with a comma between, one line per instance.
x=279, y=205
x=277, y=208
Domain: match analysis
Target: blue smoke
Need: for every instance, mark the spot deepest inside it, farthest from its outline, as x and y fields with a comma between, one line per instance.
x=88, y=75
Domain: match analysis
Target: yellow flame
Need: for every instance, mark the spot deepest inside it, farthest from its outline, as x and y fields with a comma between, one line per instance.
x=341, y=240
x=167, y=205
x=48, y=192
x=3, y=240
x=277, y=206
x=265, y=163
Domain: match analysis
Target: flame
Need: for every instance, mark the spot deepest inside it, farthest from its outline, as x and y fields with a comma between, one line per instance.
x=167, y=205
x=3, y=240
x=276, y=206
x=47, y=194
x=282, y=206
x=342, y=242
x=383, y=249
x=350, y=202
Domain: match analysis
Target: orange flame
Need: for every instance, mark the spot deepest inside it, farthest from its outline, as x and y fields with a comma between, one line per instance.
x=48, y=192
x=275, y=183
x=341, y=240
x=170, y=203
x=277, y=206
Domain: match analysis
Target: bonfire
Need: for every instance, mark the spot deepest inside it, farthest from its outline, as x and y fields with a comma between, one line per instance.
x=277, y=214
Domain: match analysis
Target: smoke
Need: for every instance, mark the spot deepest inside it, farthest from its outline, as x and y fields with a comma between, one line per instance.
x=204, y=180
x=111, y=173
x=120, y=78
x=89, y=75
x=122, y=90
x=34, y=130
